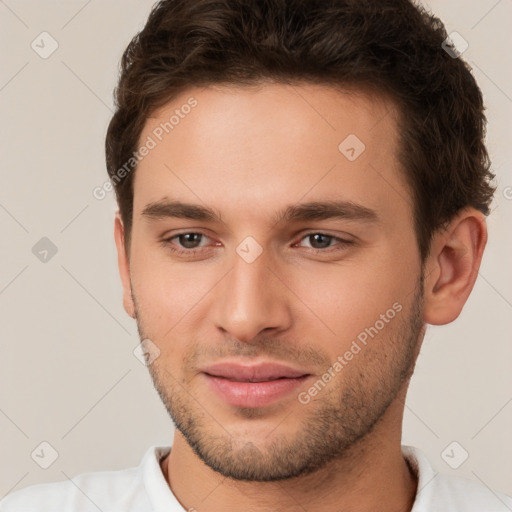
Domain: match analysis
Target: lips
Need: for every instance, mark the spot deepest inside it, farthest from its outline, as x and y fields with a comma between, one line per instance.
x=254, y=385
x=255, y=373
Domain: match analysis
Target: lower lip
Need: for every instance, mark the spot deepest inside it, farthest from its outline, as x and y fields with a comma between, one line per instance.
x=253, y=394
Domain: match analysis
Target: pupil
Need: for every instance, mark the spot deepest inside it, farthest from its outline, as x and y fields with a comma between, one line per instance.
x=319, y=235
x=189, y=241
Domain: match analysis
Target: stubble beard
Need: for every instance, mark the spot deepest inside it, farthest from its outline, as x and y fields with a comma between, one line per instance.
x=346, y=411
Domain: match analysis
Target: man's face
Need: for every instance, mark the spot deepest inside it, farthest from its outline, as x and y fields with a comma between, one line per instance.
x=336, y=300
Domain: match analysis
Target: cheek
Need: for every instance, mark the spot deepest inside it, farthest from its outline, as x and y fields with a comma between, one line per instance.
x=171, y=298
x=346, y=298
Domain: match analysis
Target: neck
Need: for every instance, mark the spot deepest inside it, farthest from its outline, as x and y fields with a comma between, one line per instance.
x=373, y=475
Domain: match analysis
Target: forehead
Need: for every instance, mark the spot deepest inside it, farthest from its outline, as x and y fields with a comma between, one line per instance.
x=247, y=150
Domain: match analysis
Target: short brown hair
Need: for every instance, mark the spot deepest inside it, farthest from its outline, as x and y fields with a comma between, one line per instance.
x=392, y=46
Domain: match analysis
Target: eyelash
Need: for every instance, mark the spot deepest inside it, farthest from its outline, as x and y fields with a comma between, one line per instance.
x=167, y=243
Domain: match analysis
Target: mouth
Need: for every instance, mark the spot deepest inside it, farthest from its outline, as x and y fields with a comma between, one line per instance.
x=250, y=380
x=254, y=385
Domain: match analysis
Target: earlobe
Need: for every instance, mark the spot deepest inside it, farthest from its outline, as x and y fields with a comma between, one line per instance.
x=123, y=265
x=452, y=266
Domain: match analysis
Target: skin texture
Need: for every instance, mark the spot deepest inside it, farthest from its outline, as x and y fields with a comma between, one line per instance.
x=248, y=152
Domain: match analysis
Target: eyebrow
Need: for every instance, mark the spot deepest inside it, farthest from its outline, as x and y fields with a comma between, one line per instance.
x=315, y=210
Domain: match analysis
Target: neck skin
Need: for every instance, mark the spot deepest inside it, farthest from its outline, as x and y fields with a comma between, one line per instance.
x=373, y=476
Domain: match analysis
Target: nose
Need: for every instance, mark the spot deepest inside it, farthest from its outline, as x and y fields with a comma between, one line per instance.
x=251, y=299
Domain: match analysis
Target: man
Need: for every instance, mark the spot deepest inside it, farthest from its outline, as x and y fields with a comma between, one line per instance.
x=302, y=188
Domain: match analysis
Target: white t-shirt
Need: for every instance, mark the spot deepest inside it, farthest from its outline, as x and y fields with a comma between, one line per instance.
x=144, y=489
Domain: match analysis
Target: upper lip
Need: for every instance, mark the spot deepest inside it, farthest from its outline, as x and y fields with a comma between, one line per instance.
x=253, y=373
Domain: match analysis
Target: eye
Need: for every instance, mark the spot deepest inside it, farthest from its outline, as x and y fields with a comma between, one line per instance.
x=187, y=242
x=321, y=241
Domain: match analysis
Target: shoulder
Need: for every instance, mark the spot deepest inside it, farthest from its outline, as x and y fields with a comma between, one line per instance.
x=83, y=493
x=89, y=492
x=465, y=494
x=443, y=493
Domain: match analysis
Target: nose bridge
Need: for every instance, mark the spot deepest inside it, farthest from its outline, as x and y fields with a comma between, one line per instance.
x=251, y=298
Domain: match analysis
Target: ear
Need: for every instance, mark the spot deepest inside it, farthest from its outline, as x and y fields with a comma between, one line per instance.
x=452, y=266
x=124, y=265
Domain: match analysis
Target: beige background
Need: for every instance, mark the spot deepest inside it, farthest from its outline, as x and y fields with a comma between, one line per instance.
x=68, y=375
